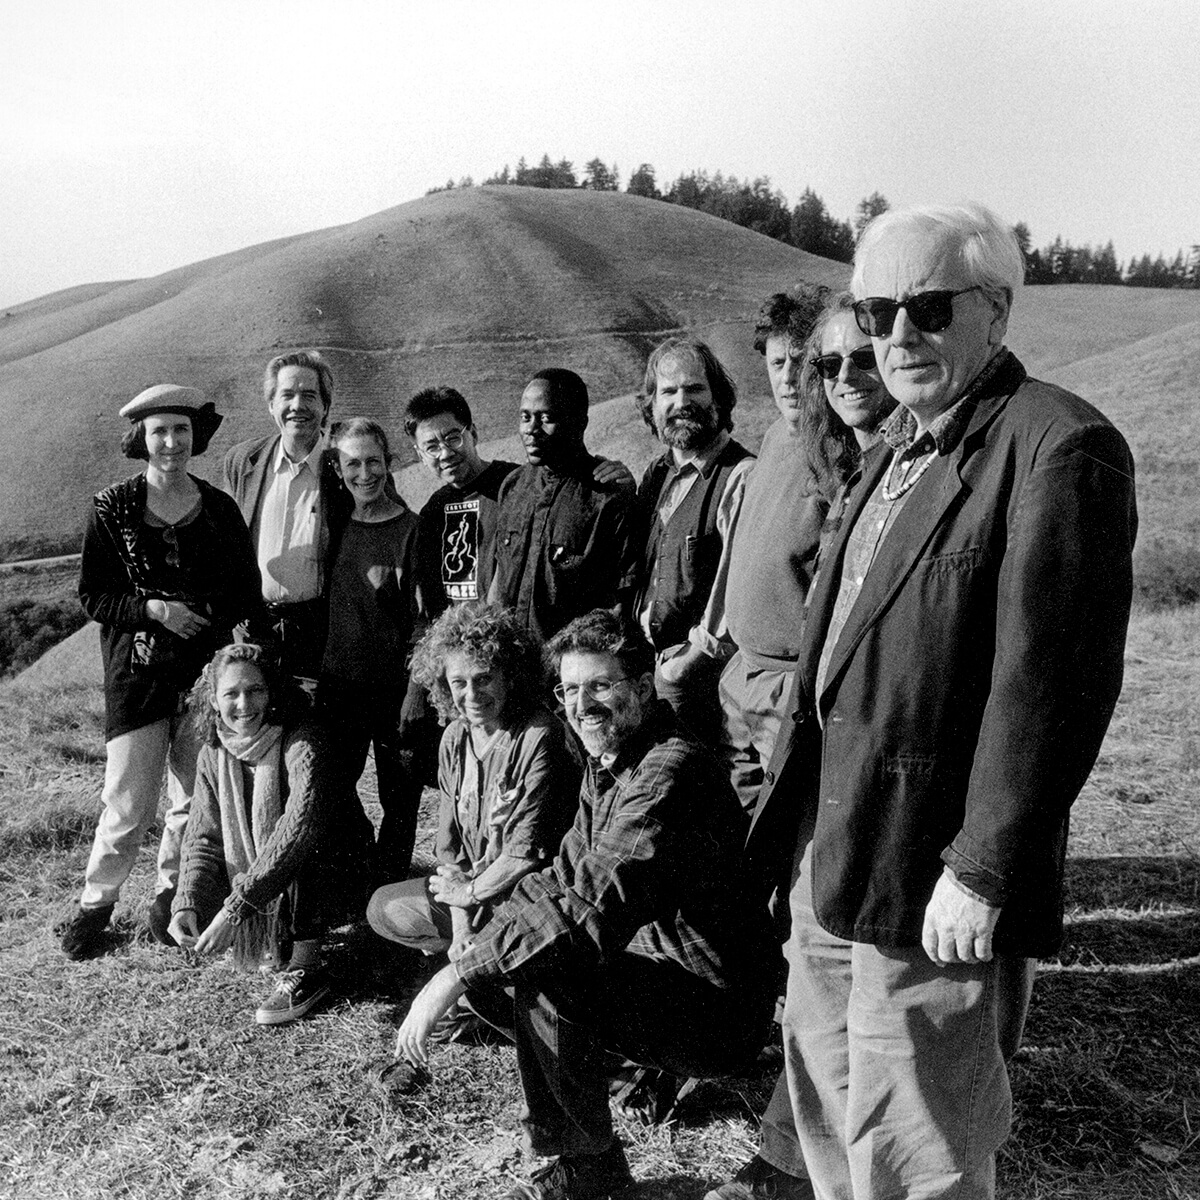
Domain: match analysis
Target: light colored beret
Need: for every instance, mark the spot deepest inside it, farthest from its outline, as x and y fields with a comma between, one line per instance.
x=164, y=397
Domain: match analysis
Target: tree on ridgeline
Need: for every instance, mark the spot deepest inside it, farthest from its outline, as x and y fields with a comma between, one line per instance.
x=642, y=183
x=868, y=209
x=546, y=174
x=814, y=230
x=599, y=178
x=755, y=205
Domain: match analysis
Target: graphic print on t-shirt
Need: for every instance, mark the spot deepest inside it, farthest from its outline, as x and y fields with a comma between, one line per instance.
x=460, y=549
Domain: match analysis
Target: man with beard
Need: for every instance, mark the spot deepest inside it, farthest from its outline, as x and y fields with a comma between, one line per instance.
x=687, y=505
x=563, y=540
x=639, y=943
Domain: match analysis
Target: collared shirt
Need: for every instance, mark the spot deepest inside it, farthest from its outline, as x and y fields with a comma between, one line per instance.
x=911, y=455
x=287, y=528
x=652, y=866
x=709, y=633
x=563, y=544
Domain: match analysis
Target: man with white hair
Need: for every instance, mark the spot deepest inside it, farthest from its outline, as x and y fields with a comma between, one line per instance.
x=960, y=662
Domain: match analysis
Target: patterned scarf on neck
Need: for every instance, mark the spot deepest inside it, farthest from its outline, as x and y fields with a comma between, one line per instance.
x=245, y=828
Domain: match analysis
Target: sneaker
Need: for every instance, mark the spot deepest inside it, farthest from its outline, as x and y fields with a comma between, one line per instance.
x=297, y=991
x=83, y=935
x=578, y=1177
x=158, y=917
x=758, y=1180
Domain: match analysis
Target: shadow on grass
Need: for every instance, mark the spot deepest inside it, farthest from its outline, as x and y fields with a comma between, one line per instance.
x=1108, y=1080
x=1132, y=881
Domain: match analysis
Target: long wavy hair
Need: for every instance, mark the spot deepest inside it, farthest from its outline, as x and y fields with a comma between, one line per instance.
x=493, y=638
x=281, y=692
x=832, y=447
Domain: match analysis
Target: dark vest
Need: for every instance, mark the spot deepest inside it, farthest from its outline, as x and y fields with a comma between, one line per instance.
x=680, y=560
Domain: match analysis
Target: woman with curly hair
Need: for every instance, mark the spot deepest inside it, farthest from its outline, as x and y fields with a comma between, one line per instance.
x=272, y=853
x=508, y=773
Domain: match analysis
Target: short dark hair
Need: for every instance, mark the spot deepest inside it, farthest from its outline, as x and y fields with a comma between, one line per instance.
x=204, y=421
x=603, y=632
x=432, y=402
x=790, y=314
x=313, y=360
x=491, y=636
x=724, y=391
x=567, y=389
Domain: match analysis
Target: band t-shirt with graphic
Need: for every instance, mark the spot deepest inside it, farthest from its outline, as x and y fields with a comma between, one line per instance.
x=456, y=540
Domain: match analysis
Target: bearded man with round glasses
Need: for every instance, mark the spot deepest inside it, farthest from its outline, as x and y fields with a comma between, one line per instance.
x=960, y=661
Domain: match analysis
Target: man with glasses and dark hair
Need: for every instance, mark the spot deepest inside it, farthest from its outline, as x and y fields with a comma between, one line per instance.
x=292, y=499
x=687, y=505
x=564, y=543
x=457, y=526
x=639, y=943
x=961, y=658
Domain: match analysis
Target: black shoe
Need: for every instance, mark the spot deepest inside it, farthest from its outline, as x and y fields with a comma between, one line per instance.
x=158, y=917
x=758, y=1180
x=297, y=991
x=578, y=1177
x=83, y=935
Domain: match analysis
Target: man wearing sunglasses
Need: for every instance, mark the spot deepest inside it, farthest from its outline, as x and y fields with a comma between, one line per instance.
x=639, y=944
x=961, y=658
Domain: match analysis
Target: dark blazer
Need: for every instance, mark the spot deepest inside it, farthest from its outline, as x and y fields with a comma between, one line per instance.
x=972, y=684
x=244, y=476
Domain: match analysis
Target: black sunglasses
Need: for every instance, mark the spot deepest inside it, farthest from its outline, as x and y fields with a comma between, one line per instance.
x=930, y=312
x=829, y=366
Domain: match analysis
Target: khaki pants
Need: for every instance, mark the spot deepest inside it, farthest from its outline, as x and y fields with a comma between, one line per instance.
x=133, y=776
x=895, y=1078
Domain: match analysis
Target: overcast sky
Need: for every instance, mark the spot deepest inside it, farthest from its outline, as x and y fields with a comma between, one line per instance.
x=139, y=136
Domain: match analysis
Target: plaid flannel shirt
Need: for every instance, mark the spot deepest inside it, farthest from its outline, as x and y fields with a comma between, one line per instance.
x=651, y=866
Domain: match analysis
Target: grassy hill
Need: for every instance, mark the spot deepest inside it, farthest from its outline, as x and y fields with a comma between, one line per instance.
x=476, y=288
x=479, y=288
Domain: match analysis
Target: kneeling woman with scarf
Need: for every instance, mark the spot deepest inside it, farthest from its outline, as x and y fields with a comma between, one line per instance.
x=272, y=854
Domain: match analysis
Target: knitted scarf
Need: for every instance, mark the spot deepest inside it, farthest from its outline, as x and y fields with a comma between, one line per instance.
x=245, y=828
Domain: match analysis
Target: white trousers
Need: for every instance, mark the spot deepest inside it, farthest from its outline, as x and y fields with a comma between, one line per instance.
x=132, y=783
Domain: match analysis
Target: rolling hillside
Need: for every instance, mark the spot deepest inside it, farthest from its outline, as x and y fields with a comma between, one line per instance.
x=479, y=288
x=475, y=288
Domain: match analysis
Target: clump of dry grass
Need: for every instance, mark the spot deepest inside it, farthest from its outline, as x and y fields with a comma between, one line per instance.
x=140, y=1074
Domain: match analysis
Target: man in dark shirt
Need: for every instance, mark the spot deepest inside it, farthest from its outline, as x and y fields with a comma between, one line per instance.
x=687, y=505
x=563, y=541
x=457, y=527
x=638, y=943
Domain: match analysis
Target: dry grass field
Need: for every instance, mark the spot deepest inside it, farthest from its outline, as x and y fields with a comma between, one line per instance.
x=141, y=1075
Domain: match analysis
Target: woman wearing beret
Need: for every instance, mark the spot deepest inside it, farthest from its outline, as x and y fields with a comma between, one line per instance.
x=167, y=570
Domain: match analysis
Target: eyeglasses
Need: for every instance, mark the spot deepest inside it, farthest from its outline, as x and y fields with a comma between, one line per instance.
x=449, y=441
x=930, y=312
x=829, y=366
x=597, y=689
